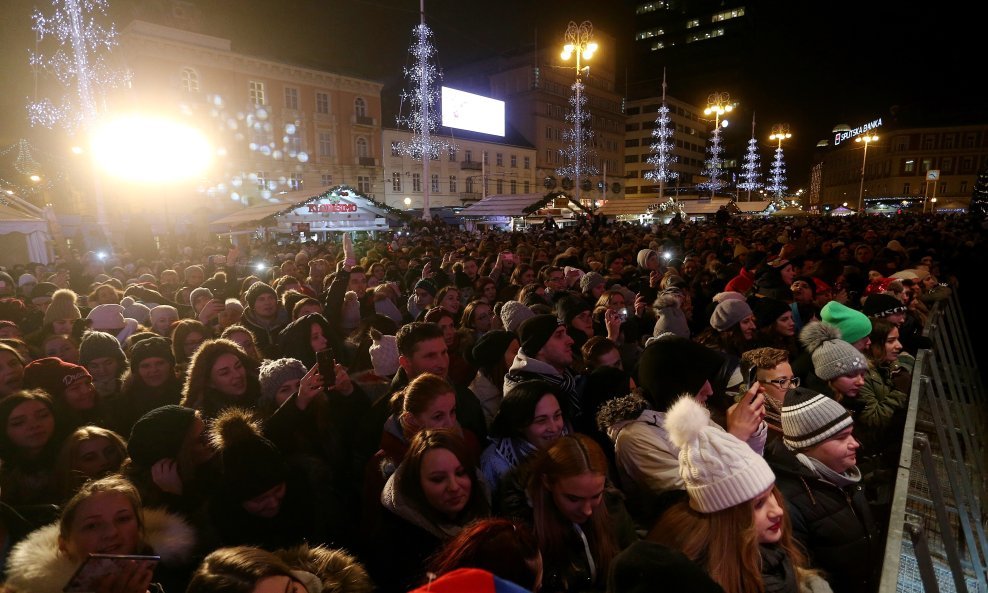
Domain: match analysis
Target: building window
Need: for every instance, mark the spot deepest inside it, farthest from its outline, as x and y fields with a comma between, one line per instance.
x=295, y=182
x=469, y=185
x=963, y=187
x=486, y=160
x=648, y=34
x=692, y=23
x=928, y=142
x=943, y=188
x=657, y=46
x=648, y=7
x=262, y=180
x=514, y=186
x=926, y=165
x=362, y=148
x=255, y=92
x=395, y=149
x=500, y=186
x=967, y=164
x=291, y=98
x=705, y=35
x=435, y=182
x=396, y=182
x=293, y=144
x=190, y=80
x=359, y=107
x=728, y=14
x=947, y=164
x=527, y=162
x=905, y=188
x=322, y=103
x=452, y=154
x=631, y=143
x=363, y=184
x=469, y=156
x=452, y=184
x=909, y=166
x=948, y=141
x=416, y=182
x=326, y=180
x=500, y=160
x=526, y=187
x=968, y=140
x=514, y=161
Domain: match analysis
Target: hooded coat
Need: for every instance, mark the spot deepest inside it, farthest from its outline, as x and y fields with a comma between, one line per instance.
x=37, y=566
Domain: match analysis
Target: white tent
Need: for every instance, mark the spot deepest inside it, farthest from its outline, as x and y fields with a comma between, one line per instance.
x=23, y=238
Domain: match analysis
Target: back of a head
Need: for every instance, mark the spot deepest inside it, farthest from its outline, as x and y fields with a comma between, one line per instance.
x=671, y=366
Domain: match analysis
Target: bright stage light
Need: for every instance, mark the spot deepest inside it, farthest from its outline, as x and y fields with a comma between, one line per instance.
x=150, y=149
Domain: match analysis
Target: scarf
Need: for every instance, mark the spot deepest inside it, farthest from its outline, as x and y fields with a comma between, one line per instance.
x=778, y=573
x=513, y=450
x=851, y=476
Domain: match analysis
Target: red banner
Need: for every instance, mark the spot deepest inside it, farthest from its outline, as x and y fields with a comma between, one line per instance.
x=341, y=207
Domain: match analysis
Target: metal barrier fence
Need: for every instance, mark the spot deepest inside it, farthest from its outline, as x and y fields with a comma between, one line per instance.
x=936, y=540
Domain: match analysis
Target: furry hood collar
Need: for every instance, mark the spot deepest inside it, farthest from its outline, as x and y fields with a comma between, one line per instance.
x=37, y=566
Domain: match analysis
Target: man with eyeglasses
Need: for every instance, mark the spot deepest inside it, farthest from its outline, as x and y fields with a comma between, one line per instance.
x=770, y=368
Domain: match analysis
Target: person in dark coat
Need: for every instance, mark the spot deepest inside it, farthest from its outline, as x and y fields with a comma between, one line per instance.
x=815, y=468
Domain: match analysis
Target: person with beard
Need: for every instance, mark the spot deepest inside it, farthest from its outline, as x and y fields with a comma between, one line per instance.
x=149, y=383
x=102, y=356
x=221, y=375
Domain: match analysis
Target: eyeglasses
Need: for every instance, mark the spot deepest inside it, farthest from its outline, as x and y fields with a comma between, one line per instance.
x=784, y=382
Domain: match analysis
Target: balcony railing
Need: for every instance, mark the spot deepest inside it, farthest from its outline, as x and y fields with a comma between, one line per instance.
x=470, y=196
x=363, y=120
x=367, y=161
x=471, y=165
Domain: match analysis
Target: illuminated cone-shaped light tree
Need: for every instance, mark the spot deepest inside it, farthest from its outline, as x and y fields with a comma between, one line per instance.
x=661, y=157
x=578, y=154
x=777, y=173
x=979, y=197
x=424, y=79
x=717, y=104
x=77, y=61
x=751, y=167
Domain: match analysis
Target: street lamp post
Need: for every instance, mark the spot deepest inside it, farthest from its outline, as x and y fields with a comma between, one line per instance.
x=718, y=104
x=578, y=42
x=864, y=159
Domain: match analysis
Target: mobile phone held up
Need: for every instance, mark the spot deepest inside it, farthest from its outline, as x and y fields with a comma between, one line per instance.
x=97, y=566
x=327, y=368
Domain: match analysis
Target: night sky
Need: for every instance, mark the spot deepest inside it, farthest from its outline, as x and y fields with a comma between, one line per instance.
x=812, y=65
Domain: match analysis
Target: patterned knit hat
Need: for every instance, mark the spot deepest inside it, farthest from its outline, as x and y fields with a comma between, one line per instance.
x=729, y=313
x=719, y=470
x=880, y=305
x=591, y=280
x=832, y=356
x=54, y=376
x=384, y=354
x=274, y=373
x=513, y=313
x=853, y=325
x=809, y=418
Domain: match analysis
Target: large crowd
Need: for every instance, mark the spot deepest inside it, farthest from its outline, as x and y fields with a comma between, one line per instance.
x=711, y=406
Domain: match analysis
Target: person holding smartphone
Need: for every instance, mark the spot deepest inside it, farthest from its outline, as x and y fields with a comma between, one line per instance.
x=140, y=545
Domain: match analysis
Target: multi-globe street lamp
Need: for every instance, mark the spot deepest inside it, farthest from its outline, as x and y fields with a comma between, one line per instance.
x=718, y=104
x=578, y=42
x=866, y=139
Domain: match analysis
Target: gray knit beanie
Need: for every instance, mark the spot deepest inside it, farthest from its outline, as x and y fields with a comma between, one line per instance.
x=274, y=373
x=832, y=356
x=729, y=313
x=97, y=344
x=513, y=313
x=590, y=280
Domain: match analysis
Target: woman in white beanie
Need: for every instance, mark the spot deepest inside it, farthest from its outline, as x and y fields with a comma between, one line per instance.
x=734, y=523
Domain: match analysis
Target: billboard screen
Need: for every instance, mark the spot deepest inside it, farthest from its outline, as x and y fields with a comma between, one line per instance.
x=467, y=111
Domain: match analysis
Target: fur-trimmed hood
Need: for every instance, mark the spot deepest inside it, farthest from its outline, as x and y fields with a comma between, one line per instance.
x=37, y=566
x=394, y=502
x=619, y=412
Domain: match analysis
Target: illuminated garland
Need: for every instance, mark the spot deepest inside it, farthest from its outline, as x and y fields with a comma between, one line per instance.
x=751, y=168
x=422, y=95
x=712, y=166
x=662, y=158
x=777, y=180
x=578, y=154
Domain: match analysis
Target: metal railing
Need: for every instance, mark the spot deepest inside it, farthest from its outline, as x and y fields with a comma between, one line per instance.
x=936, y=537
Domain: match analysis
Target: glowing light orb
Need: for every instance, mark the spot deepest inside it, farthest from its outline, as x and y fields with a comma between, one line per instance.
x=149, y=149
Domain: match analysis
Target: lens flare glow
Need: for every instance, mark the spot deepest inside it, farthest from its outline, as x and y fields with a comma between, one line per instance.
x=150, y=150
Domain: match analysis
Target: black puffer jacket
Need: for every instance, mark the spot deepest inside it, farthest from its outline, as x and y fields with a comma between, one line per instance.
x=833, y=524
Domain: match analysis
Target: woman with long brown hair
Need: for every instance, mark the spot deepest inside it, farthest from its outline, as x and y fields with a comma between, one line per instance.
x=734, y=523
x=221, y=375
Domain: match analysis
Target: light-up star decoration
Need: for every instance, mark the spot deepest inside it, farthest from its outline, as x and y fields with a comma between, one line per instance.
x=78, y=62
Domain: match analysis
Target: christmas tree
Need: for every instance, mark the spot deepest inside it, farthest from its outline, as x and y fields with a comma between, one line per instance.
x=424, y=79
x=711, y=167
x=979, y=197
x=777, y=180
x=661, y=157
x=751, y=166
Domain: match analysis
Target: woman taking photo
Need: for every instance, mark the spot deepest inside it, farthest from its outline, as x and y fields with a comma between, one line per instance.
x=734, y=524
x=106, y=516
x=434, y=493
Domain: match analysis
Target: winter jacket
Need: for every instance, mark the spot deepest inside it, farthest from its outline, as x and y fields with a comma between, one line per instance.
x=488, y=394
x=526, y=368
x=37, y=566
x=266, y=334
x=834, y=524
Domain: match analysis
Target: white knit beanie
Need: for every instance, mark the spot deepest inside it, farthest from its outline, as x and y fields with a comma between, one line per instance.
x=384, y=354
x=513, y=313
x=719, y=470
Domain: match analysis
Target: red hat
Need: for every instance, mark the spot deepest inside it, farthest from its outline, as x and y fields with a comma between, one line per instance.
x=821, y=286
x=54, y=375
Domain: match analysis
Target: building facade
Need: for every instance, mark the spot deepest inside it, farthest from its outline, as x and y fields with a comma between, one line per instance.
x=276, y=126
x=476, y=166
x=901, y=166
